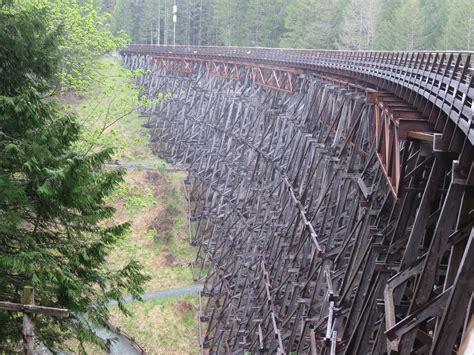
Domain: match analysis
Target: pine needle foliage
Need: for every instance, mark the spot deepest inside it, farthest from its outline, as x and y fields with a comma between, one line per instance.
x=319, y=24
x=55, y=232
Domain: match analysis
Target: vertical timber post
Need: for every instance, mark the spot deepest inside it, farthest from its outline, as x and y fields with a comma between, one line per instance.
x=28, y=297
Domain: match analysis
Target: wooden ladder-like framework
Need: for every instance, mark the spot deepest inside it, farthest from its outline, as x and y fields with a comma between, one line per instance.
x=335, y=217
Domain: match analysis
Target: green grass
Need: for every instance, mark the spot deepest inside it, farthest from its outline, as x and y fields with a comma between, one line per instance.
x=174, y=324
x=134, y=200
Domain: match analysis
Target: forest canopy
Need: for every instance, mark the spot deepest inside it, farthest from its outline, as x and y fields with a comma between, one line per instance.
x=322, y=24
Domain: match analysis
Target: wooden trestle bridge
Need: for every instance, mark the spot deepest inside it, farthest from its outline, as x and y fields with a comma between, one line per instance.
x=332, y=194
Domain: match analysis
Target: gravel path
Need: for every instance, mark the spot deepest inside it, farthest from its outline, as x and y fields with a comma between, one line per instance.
x=189, y=290
x=143, y=165
x=120, y=346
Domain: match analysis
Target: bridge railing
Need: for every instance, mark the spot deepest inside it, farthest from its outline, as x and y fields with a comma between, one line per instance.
x=443, y=78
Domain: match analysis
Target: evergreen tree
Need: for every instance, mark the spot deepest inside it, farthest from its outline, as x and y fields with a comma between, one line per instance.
x=458, y=33
x=122, y=17
x=436, y=19
x=149, y=26
x=408, y=28
x=359, y=28
x=351, y=24
x=229, y=18
x=384, y=26
x=313, y=24
x=128, y=15
x=201, y=29
x=54, y=233
x=264, y=23
x=207, y=30
x=106, y=6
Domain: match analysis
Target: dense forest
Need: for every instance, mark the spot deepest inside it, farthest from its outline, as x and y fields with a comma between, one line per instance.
x=324, y=24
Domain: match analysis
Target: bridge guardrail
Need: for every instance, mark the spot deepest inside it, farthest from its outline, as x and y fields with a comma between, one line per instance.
x=445, y=79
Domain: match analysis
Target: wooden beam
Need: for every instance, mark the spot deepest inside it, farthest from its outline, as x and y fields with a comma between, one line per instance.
x=28, y=331
x=454, y=313
x=34, y=309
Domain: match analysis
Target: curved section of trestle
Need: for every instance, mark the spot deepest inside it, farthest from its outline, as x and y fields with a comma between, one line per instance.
x=321, y=225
